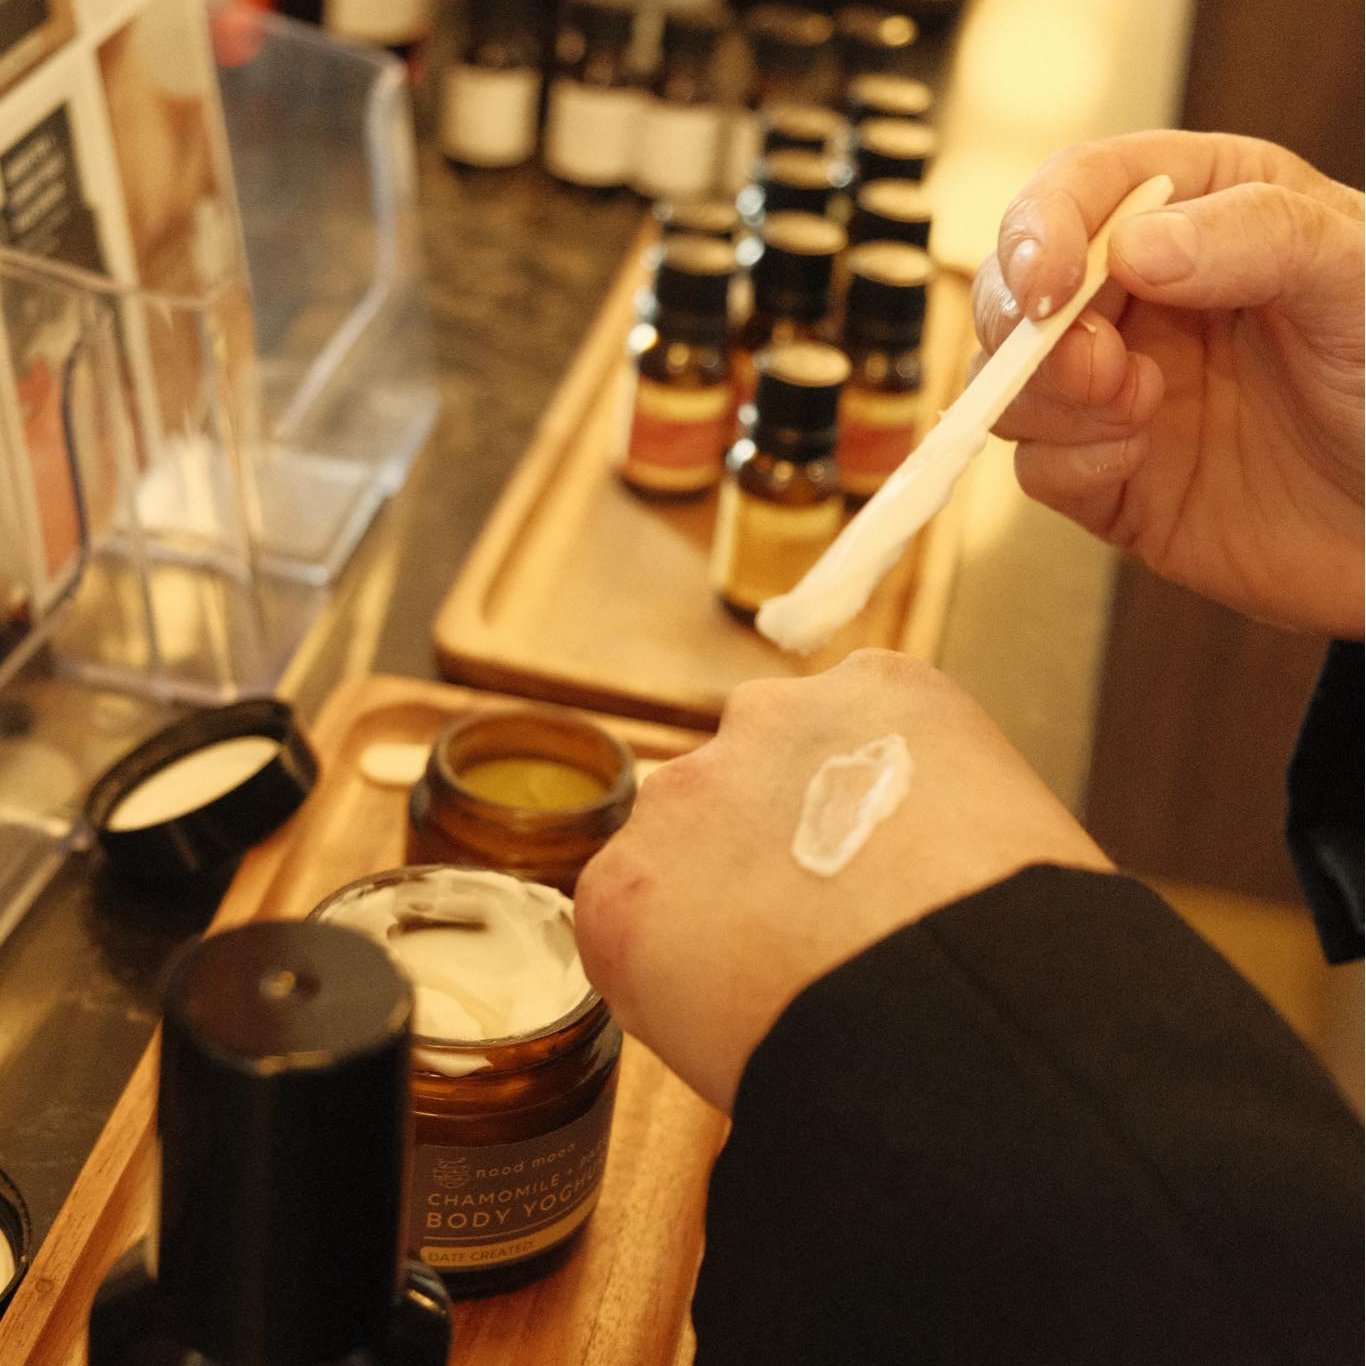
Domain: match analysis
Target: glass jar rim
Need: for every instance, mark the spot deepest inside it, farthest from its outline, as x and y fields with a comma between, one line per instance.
x=415, y=872
x=619, y=788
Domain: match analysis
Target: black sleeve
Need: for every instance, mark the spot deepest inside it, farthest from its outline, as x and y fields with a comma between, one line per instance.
x=1324, y=817
x=1044, y=1124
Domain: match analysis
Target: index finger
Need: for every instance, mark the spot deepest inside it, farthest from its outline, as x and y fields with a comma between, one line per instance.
x=1041, y=246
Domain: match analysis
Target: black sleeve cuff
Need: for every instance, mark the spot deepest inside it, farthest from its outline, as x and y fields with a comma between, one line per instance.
x=1324, y=818
x=1046, y=1124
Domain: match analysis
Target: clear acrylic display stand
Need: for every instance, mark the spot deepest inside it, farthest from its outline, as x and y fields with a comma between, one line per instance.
x=205, y=464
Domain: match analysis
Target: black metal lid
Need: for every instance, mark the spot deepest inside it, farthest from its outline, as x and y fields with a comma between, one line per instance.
x=200, y=836
x=797, y=398
x=885, y=303
x=17, y=1231
x=692, y=285
x=792, y=273
x=282, y=1117
x=893, y=149
x=876, y=95
x=891, y=211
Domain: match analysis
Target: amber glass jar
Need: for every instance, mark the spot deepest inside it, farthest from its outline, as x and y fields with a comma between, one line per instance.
x=510, y=1133
x=529, y=792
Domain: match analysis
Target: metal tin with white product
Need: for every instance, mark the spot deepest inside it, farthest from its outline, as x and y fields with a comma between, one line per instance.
x=201, y=792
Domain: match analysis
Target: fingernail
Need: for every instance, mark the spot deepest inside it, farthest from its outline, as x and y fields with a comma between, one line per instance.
x=1161, y=247
x=1009, y=308
x=1043, y=305
x=1020, y=267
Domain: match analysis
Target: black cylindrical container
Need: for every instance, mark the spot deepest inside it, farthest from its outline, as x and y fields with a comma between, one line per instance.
x=282, y=1119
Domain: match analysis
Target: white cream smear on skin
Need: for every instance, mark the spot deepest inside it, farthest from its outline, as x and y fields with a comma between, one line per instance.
x=506, y=964
x=847, y=799
x=193, y=780
x=839, y=584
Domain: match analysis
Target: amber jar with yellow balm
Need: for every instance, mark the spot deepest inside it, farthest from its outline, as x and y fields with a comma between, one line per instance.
x=514, y=1068
x=526, y=791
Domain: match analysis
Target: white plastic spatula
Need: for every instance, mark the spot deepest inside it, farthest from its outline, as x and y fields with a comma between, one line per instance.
x=837, y=586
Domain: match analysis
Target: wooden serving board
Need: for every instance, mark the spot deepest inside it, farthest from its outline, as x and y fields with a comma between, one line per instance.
x=579, y=591
x=621, y=1297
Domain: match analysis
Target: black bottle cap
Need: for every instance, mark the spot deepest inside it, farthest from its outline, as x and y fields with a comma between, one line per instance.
x=885, y=303
x=800, y=125
x=881, y=95
x=598, y=23
x=891, y=211
x=893, y=149
x=691, y=34
x=500, y=20
x=692, y=286
x=873, y=39
x=791, y=275
x=786, y=39
x=282, y=1115
x=190, y=835
x=717, y=218
x=794, y=181
x=797, y=398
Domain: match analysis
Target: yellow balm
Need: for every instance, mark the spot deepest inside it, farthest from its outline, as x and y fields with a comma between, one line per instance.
x=528, y=781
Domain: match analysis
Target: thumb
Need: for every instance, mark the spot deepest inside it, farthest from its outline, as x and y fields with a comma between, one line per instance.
x=1245, y=247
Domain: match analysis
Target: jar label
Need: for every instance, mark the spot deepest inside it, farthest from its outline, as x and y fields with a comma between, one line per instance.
x=591, y=133
x=678, y=437
x=488, y=117
x=475, y=1207
x=761, y=549
x=877, y=432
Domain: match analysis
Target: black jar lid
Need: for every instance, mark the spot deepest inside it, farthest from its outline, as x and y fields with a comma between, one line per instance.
x=189, y=836
x=879, y=94
x=892, y=211
x=893, y=149
x=17, y=1231
x=796, y=399
x=886, y=296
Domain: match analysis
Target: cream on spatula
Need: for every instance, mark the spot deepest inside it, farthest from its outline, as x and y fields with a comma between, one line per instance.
x=837, y=586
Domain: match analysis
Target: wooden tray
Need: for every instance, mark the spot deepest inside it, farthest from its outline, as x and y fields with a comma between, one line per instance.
x=621, y=1297
x=579, y=591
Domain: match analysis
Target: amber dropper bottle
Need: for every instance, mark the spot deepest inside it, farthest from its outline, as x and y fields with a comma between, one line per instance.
x=780, y=503
x=282, y=1120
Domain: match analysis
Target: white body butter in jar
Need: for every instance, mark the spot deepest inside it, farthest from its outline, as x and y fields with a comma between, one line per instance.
x=514, y=1067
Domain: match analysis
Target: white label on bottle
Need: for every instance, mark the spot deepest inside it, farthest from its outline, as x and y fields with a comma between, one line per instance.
x=386, y=22
x=591, y=133
x=677, y=150
x=488, y=118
